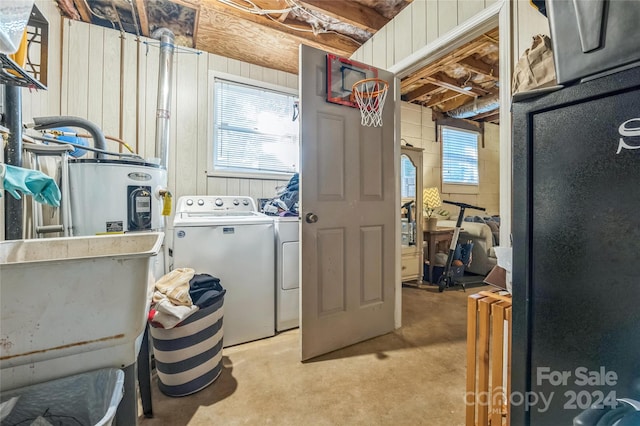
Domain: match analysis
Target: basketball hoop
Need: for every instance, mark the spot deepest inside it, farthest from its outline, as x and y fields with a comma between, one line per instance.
x=369, y=94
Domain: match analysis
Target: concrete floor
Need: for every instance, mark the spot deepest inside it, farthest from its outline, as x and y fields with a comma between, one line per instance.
x=413, y=376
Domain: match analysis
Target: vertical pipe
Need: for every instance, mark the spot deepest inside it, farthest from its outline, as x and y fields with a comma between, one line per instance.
x=163, y=113
x=13, y=210
x=121, y=106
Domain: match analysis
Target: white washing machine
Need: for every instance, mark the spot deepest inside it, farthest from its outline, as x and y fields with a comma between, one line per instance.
x=287, y=273
x=226, y=237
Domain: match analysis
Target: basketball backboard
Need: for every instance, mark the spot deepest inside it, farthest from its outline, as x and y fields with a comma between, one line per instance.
x=342, y=74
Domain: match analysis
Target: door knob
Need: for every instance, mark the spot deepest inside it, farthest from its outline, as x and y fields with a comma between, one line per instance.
x=311, y=218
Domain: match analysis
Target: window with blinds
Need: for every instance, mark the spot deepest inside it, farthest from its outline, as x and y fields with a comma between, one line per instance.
x=459, y=156
x=254, y=129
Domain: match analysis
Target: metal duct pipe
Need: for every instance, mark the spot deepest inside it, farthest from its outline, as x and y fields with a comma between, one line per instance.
x=474, y=108
x=13, y=155
x=99, y=140
x=163, y=113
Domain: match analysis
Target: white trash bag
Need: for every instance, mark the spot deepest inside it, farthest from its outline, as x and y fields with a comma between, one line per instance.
x=14, y=15
x=505, y=259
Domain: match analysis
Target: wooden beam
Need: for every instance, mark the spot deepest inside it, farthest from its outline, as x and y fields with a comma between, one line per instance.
x=452, y=58
x=420, y=91
x=487, y=114
x=219, y=34
x=462, y=52
x=283, y=17
x=142, y=15
x=83, y=9
x=495, y=118
x=442, y=97
x=454, y=103
x=489, y=71
x=252, y=33
x=443, y=80
x=349, y=12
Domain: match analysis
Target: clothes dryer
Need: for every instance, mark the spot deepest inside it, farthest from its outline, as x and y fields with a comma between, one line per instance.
x=287, y=272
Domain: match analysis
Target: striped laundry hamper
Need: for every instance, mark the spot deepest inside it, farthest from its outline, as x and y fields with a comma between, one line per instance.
x=189, y=356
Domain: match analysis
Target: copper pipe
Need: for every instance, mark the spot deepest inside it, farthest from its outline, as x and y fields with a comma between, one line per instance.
x=111, y=138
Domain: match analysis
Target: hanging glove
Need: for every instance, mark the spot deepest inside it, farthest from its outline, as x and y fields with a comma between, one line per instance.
x=31, y=182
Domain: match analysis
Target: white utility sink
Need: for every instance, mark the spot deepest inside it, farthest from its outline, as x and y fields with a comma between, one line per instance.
x=70, y=305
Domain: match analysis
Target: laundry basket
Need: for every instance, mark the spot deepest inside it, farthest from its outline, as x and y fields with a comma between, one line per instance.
x=89, y=399
x=189, y=356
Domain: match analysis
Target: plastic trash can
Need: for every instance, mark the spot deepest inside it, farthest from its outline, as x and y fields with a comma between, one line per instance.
x=189, y=356
x=83, y=399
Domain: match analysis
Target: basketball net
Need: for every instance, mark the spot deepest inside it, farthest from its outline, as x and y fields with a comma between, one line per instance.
x=369, y=94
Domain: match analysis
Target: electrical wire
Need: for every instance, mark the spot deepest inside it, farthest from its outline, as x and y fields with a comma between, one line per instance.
x=323, y=31
x=256, y=10
x=87, y=148
x=86, y=135
x=135, y=17
x=297, y=6
x=113, y=6
x=99, y=15
x=294, y=5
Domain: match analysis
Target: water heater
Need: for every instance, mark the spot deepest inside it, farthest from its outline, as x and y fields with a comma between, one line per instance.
x=115, y=196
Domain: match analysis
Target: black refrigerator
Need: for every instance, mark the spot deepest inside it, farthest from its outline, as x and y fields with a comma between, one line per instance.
x=576, y=254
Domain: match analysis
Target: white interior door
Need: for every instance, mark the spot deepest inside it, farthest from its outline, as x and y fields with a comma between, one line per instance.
x=347, y=183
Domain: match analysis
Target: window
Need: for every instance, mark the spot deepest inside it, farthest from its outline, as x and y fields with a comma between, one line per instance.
x=407, y=177
x=254, y=130
x=459, y=156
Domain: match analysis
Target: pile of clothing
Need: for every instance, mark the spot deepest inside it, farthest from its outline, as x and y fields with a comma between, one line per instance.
x=180, y=293
x=286, y=201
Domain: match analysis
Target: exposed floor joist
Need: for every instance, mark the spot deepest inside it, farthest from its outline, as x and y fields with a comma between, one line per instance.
x=349, y=12
x=467, y=75
x=261, y=32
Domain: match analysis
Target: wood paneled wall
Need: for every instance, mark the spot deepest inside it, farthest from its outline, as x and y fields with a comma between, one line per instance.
x=97, y=61
x=111, y=79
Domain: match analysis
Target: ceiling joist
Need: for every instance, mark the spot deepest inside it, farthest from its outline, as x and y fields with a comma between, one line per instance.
x=83, y=9
x=259, y=32
x=487, y=114
x=142, y=16
x=441, y=97
x=447, y=82
x=419, y=92
x=466, y=75
x=349, y=12
x=255, y=33
x=453, y=58
x=488, y=71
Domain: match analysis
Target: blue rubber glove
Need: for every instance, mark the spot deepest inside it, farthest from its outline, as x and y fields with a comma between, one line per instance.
x=31, y=182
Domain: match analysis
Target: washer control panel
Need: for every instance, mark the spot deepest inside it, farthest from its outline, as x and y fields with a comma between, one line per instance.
x=203, y=204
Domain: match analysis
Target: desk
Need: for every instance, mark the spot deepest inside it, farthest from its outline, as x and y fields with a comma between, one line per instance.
x=432, y=238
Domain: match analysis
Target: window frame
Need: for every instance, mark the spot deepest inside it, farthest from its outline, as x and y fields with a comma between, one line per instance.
x=454, y=187
x=262, y=85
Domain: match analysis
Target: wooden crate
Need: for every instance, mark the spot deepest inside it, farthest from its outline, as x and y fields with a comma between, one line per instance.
x=488, y=359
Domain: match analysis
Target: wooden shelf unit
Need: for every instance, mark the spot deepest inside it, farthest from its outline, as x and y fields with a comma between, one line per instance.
x=488, y=359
